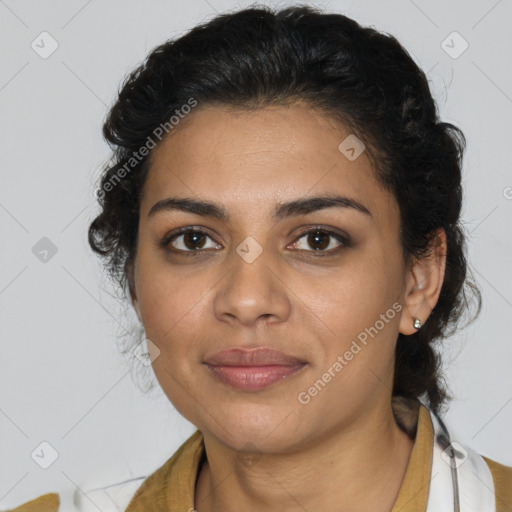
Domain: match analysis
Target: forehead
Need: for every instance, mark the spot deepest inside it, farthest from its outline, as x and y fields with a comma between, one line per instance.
x=251, y=160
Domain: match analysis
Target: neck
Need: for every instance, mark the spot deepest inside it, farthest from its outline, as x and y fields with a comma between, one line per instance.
x=347, y=471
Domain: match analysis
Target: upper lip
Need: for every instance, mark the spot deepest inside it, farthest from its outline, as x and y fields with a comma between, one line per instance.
x=261, y=356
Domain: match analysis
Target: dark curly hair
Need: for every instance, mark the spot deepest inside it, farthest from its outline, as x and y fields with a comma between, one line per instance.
x=364, y=78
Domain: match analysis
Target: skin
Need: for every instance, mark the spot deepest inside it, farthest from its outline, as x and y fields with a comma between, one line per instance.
x=266, y=450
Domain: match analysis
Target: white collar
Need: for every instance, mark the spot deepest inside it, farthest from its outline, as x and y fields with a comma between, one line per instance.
x=460, y=480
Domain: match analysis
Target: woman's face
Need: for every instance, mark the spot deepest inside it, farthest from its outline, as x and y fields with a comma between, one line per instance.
x=254, y=280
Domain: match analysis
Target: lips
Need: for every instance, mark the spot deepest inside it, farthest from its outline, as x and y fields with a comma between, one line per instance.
x=253, y=369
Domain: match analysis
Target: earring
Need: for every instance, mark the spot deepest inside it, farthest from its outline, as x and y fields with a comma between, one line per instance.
x=417, y=323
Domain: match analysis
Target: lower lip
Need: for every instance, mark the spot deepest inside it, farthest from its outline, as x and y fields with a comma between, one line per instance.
x=252, y=378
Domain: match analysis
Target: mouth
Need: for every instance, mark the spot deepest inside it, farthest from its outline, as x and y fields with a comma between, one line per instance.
x=253, y=369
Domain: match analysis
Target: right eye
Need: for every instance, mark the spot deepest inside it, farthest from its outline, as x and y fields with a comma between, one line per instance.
x=192, y=241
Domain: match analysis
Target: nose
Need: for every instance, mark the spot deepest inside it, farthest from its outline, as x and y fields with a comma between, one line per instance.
x=254, y=290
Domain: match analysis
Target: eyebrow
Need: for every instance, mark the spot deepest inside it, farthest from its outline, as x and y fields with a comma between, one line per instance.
x=281, y=211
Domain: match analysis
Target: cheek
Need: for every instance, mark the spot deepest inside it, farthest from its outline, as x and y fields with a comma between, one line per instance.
x=166, y=295
x=354, y=298
x=170, y=311
x=362, y=311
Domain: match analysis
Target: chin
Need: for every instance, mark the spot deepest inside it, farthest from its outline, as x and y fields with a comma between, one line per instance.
x=267, y=428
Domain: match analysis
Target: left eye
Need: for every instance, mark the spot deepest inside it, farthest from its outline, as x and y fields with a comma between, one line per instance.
x=321, y=240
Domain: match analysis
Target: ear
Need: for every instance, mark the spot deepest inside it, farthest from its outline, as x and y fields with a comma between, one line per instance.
x=424, y=281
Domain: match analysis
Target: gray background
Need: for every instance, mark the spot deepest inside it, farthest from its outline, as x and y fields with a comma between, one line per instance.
x=63, y=379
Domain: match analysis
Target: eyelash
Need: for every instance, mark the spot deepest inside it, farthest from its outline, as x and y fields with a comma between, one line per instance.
x=345, y=240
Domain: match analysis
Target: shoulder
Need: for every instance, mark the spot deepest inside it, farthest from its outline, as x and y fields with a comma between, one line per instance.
x=502, y=478
x=131, y=494
x=171, y=481
x=45, y=503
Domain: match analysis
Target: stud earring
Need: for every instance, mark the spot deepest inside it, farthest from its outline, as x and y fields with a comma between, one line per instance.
x=417, y=323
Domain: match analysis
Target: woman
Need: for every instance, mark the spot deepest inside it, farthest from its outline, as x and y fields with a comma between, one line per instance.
x=284, y=211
